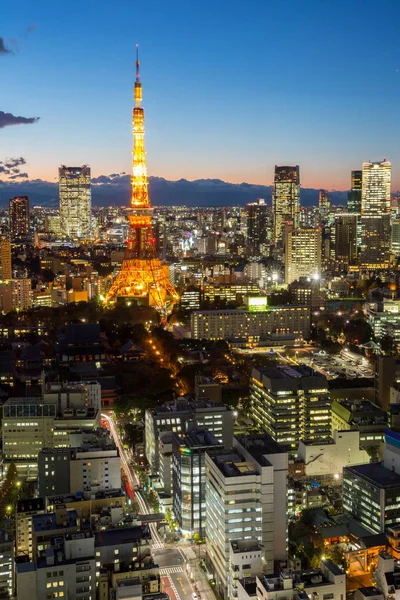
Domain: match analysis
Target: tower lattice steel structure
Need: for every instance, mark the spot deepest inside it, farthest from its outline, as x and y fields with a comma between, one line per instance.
x=142, y=276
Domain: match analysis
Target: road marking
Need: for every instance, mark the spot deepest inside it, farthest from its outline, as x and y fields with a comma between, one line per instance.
x=181, y=584
x=168, y=570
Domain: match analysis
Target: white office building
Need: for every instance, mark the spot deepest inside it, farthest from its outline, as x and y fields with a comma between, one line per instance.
x=246, y=498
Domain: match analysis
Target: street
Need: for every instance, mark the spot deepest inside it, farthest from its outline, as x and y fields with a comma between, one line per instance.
x=173, y=562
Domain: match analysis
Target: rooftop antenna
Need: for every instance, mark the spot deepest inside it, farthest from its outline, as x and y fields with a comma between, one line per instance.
x=137, y=63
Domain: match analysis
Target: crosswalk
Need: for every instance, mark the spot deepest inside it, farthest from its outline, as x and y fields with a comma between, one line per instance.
x=168, y=570
x=157, y=546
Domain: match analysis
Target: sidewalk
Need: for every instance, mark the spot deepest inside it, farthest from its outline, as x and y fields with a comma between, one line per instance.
x=198, y=577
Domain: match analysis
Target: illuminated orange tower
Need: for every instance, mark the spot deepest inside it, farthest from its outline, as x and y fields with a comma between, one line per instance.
x=142, y=276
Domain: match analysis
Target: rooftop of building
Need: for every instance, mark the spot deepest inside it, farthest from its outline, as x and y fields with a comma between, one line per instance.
x=239, y=546
x=187, y=405
x=358, y=408
x=205, y=380
x=249, y=584
x=316, y=577
x=259, y=445
x=121, y=535
x=20, y=401
x=290, y=378
x=80, y=497
x=48, y=522
x=376, y=474
x=197, y=439
x=370, y=591
x=231, y=463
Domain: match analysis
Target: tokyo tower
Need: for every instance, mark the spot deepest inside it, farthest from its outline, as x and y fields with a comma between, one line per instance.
x=142, y=276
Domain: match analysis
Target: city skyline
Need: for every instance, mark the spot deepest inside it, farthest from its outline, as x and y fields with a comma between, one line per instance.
x=317, y=114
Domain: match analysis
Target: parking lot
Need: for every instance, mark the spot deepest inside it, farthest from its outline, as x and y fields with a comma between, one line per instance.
x=346, y=364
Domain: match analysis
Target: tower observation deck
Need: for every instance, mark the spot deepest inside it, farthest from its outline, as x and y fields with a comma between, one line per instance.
x=143, y=277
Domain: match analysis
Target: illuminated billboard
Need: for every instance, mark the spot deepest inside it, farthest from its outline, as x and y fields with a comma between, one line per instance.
x=257, y=303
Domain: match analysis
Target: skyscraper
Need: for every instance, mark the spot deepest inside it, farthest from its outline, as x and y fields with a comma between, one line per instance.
x=19, y=216
x=302, y=253
x=324, y=203
x=285, y=199
x=345, y=240
x=258, y=226
x=375, y=214
x=354, y=201
x=5, y=255
x=75, y=201
x=354, y=195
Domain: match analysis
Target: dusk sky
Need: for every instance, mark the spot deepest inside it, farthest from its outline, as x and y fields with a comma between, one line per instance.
x=230, y=88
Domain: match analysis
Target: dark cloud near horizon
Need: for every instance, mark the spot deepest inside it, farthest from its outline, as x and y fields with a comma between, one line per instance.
x=7, y=119
x=18, y=176
x=3, y=47
x=10, y=168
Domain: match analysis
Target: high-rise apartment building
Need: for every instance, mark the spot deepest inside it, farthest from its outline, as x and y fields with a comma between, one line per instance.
x=15, y=294
x=291, y=404
x=302, y=253
x=285, y=199
x=19, y=216
x=345, y=240
x=246, y=498
x=5, y=256
x=324, y=203
x=375, y=214
x=75, y=201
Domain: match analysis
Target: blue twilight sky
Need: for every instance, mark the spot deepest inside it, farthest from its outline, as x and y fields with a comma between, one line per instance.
x=230, y=87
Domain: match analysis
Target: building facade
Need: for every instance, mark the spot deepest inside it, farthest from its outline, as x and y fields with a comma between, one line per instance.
x=5, y=256
x=189, y=479
x=75, y=201
x=19, y=217
x=285, y=199
x=291, y=404
x=241, y=324
x=375, y=214
x=27, y=427
x=246, y=497
x=302, y=253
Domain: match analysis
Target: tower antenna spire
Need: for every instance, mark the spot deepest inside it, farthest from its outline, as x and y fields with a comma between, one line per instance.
x=137, y=63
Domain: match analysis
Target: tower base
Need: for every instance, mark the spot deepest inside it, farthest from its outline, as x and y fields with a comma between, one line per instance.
x=146, y=281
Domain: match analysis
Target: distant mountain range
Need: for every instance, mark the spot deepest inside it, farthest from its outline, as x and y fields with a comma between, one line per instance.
x=115, y=189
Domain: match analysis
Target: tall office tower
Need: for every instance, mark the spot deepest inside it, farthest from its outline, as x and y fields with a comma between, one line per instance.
x=19, y=216
x=354, y=202
x=302, y=253
x=354, y=195
x=142, y=277
x=285, y=199
x=258, y=227
x=246, y=499
x=75, y=201
x=5, y=255
x=324, y=203
x=345, y=242
x=375, y=214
